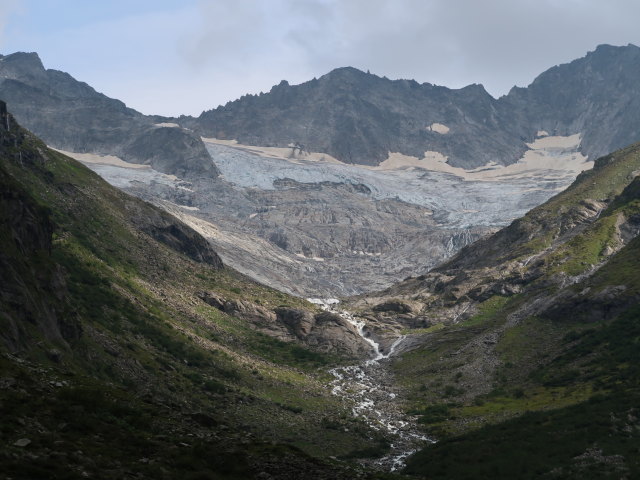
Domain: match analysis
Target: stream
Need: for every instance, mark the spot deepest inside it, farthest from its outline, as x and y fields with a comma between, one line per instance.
x=368, y=388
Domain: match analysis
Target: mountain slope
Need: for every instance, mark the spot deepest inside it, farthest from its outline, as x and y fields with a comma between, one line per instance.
x=127, y=349
x=354, y=240
x=360, y=118
x=596, y=95
x=70, y=115
x=534, y=330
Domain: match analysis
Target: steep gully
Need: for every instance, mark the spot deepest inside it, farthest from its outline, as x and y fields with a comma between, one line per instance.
x=368, y=389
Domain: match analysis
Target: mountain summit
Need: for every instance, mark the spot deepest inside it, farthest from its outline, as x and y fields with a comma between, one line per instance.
x=79, y=119
x=360, y=118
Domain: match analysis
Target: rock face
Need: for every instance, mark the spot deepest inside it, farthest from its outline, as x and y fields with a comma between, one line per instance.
x=359, y=118
x=597, y=95
x=79, y=119
x=324, y=332
x=175, y=234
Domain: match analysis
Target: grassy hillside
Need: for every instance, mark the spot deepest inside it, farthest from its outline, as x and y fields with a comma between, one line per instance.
x=111, y=363
x=525, y=361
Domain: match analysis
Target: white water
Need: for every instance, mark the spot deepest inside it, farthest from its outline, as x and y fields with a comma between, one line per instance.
x=367, y=387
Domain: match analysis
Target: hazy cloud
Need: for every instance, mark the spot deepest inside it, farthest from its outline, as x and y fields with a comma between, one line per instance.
x=183, y=57
x=453, y=42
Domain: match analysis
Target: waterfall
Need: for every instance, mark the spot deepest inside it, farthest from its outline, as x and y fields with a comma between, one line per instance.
x=368, y=389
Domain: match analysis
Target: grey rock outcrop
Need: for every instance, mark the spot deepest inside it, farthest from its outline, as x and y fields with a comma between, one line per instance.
x=168, y=230
x=299, y=322
x=324, y=331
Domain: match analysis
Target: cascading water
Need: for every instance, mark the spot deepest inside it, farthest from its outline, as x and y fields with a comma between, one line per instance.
x=369, y=390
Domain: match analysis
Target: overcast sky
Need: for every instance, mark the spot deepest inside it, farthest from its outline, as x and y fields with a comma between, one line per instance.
x=175, y=57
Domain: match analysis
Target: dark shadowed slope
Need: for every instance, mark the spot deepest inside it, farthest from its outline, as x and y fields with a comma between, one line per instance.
x=127, y=349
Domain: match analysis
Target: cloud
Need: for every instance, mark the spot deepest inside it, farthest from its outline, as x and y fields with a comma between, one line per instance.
x=173, y=58
x=452, y=42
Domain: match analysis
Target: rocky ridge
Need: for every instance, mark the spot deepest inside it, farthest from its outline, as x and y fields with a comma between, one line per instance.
x=360, y=118
x=70, y=115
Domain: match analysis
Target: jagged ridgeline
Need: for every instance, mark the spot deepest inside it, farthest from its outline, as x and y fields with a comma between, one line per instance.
x=127, y=349
x=360, y=118
x=524, y=356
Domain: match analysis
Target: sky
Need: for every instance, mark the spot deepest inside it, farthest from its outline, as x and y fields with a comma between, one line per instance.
x=172, y=57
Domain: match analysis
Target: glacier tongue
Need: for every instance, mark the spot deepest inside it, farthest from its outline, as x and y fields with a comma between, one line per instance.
x=490, y=197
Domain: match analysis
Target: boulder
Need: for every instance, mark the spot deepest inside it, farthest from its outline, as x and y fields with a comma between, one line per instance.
x=299, y=322
x=394, y=306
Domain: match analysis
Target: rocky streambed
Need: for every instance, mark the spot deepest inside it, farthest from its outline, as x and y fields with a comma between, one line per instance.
x=369, y=391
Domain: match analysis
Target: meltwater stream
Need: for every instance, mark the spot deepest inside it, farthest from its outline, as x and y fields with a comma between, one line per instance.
x=369, y=390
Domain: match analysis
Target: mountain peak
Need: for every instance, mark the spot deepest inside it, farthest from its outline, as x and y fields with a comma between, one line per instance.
x=346, y=71
x=607, y=48
x=28, y=57
x=342, y=73
x=21, y=65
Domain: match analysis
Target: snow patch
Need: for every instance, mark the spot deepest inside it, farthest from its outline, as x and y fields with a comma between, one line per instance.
x=438, y=128
x=95, y=158
x=316, y=259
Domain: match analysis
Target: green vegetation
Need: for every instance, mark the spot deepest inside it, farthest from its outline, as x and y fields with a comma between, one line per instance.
x=587, y=440
x=118, y=368
x=487, y=310
x=543, y=383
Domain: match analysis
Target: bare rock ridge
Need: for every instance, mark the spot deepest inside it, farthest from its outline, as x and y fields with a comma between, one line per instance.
x=354, y=116
x=359, y=118
x=597, y=95
x=70, y=115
